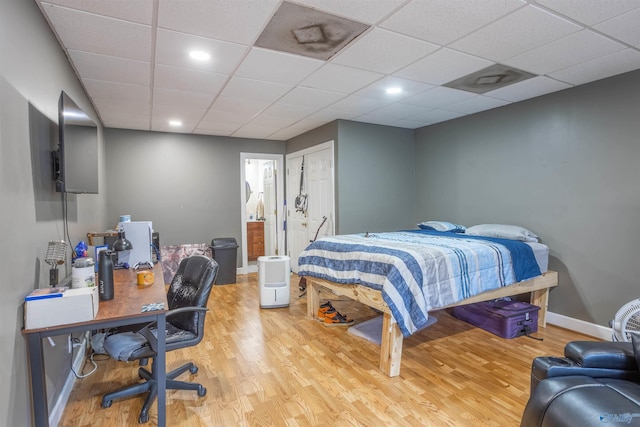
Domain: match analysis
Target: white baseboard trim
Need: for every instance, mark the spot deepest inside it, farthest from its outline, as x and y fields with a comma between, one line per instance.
x=578, y=325
x=79, y=354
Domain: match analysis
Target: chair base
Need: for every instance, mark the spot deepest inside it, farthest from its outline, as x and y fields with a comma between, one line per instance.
x=150, y=386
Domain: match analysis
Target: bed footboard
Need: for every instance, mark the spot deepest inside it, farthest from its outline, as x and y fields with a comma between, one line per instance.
x=391, y=346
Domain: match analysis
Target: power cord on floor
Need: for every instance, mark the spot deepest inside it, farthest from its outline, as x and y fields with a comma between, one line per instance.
x=89, y=358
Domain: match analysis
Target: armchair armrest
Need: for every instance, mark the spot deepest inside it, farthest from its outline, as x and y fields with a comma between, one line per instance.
x=148, y=333
x=602, y=355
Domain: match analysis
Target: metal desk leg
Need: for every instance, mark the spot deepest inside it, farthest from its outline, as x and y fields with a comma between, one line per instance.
x=162, y=371
x=38, y=382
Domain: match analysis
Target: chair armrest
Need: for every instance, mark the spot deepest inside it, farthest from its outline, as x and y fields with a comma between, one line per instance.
x=148, y=333
x=602, y=355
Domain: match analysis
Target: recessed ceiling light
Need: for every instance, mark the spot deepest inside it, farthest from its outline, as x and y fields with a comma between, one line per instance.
x=199, y=55
x=175, y=123
x=394, y=90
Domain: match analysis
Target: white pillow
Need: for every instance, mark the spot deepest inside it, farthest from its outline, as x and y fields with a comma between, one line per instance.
x=442, y=226
x=502, y=231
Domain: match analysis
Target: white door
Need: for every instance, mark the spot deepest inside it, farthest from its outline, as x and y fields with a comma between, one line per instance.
x=315, y=166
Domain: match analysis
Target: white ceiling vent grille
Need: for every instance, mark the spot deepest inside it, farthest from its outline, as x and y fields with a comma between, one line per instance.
x=308, y=32
x=494, y=77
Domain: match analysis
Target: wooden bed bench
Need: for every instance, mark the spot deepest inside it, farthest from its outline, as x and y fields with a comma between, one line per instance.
x=391, y=347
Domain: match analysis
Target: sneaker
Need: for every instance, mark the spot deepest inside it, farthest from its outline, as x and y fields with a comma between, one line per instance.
x=333, y=318
x=324, y=308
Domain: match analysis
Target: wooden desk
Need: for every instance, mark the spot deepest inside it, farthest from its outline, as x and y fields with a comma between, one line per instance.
x=123, y=309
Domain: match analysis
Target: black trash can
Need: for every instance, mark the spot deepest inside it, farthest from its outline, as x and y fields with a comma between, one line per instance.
x=224, y=251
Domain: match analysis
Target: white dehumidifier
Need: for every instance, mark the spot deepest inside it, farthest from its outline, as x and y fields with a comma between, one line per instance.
x=274, y=280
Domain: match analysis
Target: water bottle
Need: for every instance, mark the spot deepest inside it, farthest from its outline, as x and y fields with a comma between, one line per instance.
x=105, y=276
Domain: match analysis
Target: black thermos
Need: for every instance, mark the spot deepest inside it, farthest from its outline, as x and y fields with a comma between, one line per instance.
x=105, y=276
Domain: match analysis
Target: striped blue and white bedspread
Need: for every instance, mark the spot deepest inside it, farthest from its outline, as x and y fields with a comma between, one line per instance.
x=419, y=270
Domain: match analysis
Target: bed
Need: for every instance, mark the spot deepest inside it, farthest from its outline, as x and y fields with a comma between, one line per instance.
x=406, y=274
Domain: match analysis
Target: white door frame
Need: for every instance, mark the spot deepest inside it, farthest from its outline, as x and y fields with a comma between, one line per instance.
x=279, y=160
x=293, y=192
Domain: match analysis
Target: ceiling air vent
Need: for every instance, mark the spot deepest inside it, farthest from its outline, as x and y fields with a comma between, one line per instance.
x=308, y=32
x=490, y=78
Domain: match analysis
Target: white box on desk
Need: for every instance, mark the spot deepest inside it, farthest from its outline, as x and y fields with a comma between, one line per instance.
x=75, y=305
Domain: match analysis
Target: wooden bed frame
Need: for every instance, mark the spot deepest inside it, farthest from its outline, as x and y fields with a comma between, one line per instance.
x=391, y=346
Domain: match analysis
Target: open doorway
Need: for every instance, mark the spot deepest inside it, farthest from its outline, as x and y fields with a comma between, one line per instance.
x=262, y=207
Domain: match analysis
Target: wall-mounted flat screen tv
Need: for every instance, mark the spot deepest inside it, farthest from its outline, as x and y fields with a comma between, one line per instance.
x=76, y=159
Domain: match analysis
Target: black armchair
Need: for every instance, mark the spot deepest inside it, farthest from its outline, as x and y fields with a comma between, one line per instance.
x=187, y=298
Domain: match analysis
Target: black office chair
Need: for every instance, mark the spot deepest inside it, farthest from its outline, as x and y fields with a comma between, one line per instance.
x=187, y=298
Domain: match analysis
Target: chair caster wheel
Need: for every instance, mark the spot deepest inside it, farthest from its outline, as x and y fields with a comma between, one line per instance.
x=107, y=403
x=143, y=419
x=202, y=391
x=193, y=369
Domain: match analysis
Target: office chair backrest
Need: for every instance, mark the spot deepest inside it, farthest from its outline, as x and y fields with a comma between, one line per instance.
x=191, y=287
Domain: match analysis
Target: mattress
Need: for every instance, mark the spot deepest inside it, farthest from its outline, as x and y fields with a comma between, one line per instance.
x=420, y=270
x=541, y=254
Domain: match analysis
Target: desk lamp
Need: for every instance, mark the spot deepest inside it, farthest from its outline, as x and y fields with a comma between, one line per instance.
x=55, y=256
x=121, y=245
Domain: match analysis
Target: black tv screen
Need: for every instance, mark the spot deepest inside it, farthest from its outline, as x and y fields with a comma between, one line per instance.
x=77, y=154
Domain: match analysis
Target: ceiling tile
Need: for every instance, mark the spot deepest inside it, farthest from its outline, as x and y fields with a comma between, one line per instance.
x=378, y=89
x=625, y=28
x=223, y=120
x=365, y=11
x=174, y=78
x=255, y=90
x=358, y=105
x=134, y=11
x=399, y=50
x=127, y=115
x=476, y=104
x=98, y=34
x=112, y=90
x=283, y=114
x=242, y=108
x=181, y=102
x=443, y=66
x=590, y=12
x=172, y=48
x=439, y=96
x=565, y=52
x=401, y=111
x=438, y=116
x=600, y=68
x=309, y=97
x=520, y=31
x=236, y=21
x=339, y=78
x=111, y=68
x=277, y=67
x=442, y=22
x=530, y=88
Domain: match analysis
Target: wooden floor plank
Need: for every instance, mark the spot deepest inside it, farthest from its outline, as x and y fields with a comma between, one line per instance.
x=275, y=367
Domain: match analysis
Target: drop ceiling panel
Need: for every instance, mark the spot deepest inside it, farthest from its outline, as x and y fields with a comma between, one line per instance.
x=134, y=11
x=442, y=22
x=625, y=28
x=248, y=89
x=235, y=21
x=110, y=68
x=531, y=88
x=600, y=68
x=174, y=78
x=113, y=90
x=439, y=96
x=379, y=88
x=438, y=116
x=591, y=12
x=309, y=97
x=136, y=115
x=339, y=78
x=443, y=66
x=172, y=48
x=476, y=104
x=565, y=52
x=276, y=67
x=99, y=34
x=383, y=51
x=525, y=29
x=358, y=105
x=366, y=11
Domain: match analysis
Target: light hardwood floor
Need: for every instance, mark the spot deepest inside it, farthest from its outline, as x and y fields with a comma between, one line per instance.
x=273, y=367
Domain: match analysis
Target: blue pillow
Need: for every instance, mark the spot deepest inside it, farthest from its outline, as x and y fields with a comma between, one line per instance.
x=442, y=226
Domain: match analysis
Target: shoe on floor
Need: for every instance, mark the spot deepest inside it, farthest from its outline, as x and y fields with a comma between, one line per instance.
x=324, y=308
x=334, y=318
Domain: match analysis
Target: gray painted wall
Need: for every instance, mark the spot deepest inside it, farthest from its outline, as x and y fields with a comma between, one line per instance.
x=187, y=185
x=374, y=173
x=33, y=72
x=563, y=165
